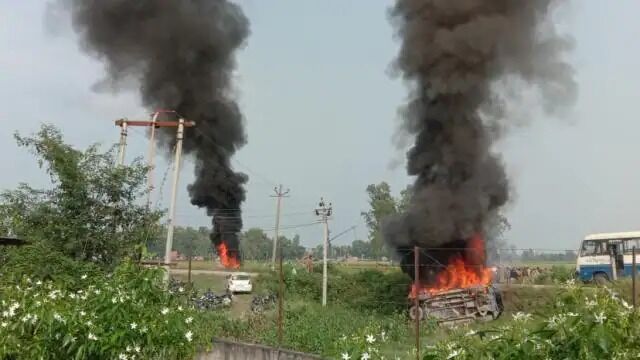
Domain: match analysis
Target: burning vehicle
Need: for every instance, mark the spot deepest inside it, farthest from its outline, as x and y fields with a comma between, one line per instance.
x=460, y=291
x=464, y=62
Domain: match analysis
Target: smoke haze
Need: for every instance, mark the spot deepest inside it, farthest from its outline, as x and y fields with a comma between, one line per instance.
x=454, y=55
x=181, y=54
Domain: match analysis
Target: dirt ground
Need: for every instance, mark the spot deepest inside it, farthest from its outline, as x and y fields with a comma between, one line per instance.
x=216, y=281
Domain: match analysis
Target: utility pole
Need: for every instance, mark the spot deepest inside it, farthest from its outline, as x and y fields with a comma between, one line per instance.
x=181, y=124
x=279, y=195
x=174, y=195
x=324, y=212
x=123, y=123
x=151, y=155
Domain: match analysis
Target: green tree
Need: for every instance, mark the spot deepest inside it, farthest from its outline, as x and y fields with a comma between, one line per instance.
x=361, y=249
x=255, y=245
x=91, y=213
x=382, y=204
x=291, y=248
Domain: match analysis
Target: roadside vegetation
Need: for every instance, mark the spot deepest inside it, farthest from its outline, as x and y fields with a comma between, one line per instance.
x=77, y=291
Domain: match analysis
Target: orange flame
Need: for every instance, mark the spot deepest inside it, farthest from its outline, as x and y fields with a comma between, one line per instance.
x=461, y=273
x=226, y=259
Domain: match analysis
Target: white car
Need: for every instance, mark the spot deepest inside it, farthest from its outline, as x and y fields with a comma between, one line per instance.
x=239, y=283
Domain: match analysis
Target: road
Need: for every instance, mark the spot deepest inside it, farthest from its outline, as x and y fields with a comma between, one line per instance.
x=208, y=272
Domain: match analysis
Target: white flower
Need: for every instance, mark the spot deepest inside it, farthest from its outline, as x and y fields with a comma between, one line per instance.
x=600, y=318
x=137, y=348
x=89, y=323
x=58, y=317
x=188, y=320
x=181, y=289
x=122, y=357
x=520, y=316
x=470, y=333
x=83, y=276
x=114, y=300
x=164, y=311
x=626, y=305
x=12, y=310
x=92, y=337
x=371, y=339
x=129, y=348
x=4, y=324
x=38, y=282
x=144, y=329
x=72, y=295
x=134, y=326
x=188, y=335
x=572, y=314
x=179, y=308
x=365, y=356
x=82, y=313
x=96, y=291
x=591, y=303
x=453, y=354
x=346, y=356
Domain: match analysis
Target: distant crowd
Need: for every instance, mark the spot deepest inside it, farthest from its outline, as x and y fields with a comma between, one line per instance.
x=519, y=274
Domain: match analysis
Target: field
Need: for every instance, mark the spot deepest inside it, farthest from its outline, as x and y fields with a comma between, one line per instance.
x=361, y=296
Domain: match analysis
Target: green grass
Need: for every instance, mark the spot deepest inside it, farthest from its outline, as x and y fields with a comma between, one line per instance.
x=543, y=264
x=309, y=327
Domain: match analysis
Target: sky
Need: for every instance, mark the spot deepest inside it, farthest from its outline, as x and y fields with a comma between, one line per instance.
x=320, y=107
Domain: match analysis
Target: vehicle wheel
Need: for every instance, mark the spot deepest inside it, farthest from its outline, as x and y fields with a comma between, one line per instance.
x=413, y=314
x=600, y=279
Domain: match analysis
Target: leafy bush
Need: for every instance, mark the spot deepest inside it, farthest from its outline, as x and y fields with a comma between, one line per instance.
x=91, y=213
x=125, y=315
x=593, y=325
x=557, y=275
x=367, y=291
x=313, y=328
x=42, y=263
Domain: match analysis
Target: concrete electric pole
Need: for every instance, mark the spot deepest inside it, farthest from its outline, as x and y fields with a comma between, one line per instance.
x=122, y=146
x=180, y=124
x=279, y=195
x=151, y=157
x=324, y=212
x=174, y=194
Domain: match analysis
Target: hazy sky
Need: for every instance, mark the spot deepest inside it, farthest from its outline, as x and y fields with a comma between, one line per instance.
x=320, y=109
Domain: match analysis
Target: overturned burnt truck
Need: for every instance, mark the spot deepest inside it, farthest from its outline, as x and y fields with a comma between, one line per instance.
x=452, y=284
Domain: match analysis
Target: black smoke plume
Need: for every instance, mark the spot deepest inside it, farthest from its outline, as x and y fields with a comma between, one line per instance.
x=457, y=55
x=181, y=53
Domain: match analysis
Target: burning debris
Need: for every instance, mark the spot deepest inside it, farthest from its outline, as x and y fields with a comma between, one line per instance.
x=181, y=53
x=456, y=55
x=227, y=259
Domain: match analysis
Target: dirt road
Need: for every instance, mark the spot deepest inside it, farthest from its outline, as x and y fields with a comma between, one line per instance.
x=208, y=272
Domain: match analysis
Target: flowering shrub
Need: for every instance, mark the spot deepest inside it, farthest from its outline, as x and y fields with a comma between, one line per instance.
x=585, y=325
x=124, y=315
x=363, y=345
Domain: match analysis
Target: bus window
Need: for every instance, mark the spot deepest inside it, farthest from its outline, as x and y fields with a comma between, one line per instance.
x=630, y=243
x=593, y=247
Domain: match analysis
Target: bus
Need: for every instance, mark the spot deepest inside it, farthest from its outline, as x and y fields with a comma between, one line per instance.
x=602, y=254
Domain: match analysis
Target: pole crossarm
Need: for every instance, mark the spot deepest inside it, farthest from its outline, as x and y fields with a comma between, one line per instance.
x=148, y=123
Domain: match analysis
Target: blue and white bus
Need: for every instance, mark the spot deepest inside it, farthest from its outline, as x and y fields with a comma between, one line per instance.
x=602, y=254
